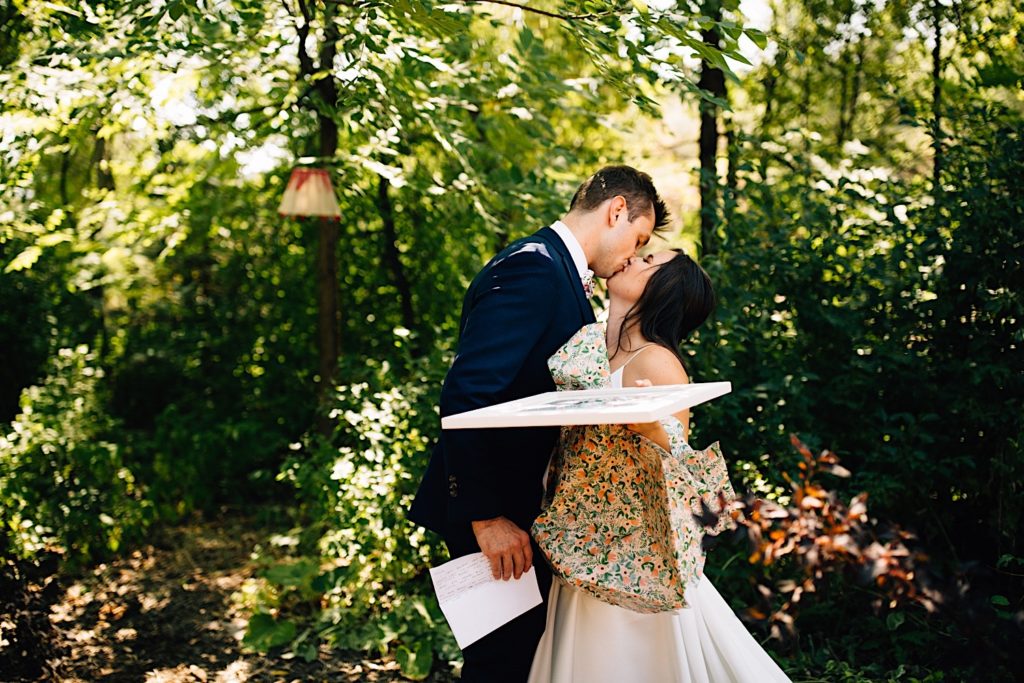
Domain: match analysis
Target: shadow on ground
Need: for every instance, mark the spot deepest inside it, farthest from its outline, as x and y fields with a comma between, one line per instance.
x=165, y=614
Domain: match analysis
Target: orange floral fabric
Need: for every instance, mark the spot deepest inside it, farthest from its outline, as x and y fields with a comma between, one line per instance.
x=619, y=512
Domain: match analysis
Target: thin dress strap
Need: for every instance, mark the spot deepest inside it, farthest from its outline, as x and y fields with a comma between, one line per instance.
x=635, y=354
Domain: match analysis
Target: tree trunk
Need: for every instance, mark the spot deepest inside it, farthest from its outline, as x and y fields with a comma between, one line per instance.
x=101, y=162
x=937, y=97
x=328, y=338
x=805, y=97
x=104, y=181
x=65, y=167
x=858, y=79
x=327, y=253
x=328, y=319
x=844, y=85
x=770, y=81
x=712, y=80
x=848, y=111
x=391, y=254
x=731, y=153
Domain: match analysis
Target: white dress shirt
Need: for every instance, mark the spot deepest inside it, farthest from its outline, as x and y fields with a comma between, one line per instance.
x=573, y=245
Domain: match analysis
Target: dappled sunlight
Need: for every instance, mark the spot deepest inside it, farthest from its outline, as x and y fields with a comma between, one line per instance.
x=171, y=613
x=237, y=672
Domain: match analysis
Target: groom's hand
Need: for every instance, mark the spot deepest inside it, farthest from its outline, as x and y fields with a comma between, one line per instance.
x=505, y=545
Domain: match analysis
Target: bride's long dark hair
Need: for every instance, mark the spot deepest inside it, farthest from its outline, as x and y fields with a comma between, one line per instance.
x=677, y=299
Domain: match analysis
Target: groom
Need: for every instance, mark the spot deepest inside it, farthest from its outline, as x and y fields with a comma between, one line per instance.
x=482, y=489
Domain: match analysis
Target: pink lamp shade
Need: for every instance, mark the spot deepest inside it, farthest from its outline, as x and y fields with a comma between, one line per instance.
x=309, y=193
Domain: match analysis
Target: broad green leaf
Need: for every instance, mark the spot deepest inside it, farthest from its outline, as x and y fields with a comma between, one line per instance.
x=759, y=37
x=526, y=39
x=415, y=664
x=295, y=574
x=53, y=238
x=26, y=259
x=265, y=633
x=895, y=620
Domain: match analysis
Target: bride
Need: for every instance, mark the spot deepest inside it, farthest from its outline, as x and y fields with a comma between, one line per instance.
x=630, y=601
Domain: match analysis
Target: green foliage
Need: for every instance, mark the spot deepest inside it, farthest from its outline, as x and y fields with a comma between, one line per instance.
x=851, y=303
x=63, y=480
x=858, y=307
x=416, y=664
x=145, y=150
x=353, y=575
x=813, y=261
x=23, y=326
x=265, y=633
x=826, y=669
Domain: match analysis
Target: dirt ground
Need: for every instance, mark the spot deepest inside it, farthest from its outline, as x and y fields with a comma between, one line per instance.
x=164, y=614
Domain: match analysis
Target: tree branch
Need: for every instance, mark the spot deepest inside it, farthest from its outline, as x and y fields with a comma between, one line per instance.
x=508, y=3
x=230, y=116
x=545, y=13
x=305, y=63
x=392, y=255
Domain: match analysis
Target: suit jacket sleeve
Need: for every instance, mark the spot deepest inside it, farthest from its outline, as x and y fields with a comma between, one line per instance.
x=511, y=310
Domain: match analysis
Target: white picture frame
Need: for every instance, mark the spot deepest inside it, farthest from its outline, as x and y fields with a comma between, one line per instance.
x=590, y=406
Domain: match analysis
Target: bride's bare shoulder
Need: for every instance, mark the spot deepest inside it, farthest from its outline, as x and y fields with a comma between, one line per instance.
x=657, y=364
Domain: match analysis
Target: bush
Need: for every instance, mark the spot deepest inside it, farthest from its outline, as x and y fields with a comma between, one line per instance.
x=353, y=574
x=883, y=316
x=63, y=482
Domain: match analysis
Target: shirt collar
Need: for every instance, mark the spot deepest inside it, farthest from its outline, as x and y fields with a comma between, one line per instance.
x=573, y=245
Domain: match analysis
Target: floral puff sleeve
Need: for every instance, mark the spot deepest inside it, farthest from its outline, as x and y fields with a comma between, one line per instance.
x=696, y=479
x=618, y=520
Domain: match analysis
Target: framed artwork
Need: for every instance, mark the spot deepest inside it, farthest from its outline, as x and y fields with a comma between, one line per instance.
x=590, y=406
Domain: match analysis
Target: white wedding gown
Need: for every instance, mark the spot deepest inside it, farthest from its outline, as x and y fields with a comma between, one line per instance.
x=590, y=641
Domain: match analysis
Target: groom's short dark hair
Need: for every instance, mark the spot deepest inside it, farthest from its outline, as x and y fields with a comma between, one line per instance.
x=636, y=186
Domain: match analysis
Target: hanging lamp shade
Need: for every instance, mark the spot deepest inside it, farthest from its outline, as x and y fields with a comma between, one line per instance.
x=309, y=193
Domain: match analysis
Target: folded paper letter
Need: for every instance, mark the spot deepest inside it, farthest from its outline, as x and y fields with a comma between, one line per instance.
x=474, y=602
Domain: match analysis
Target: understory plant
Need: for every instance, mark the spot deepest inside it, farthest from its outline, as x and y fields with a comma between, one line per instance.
x=352, y=573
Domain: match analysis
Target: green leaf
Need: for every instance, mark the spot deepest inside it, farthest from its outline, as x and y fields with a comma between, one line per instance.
x=525, y=39
x=265, y=633
x=759, y=37
x=999, y=74
x=1000, y=601
x=25, y=260
x=175, y=10
x=324, y=582
x=307, y=651
x=416, y=664
x=1008, y=560
x=294, y=575
x=59, y=7
x=895, y=620
x=53, y=238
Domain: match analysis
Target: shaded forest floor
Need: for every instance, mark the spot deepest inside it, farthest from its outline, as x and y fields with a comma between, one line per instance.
x=165, y=614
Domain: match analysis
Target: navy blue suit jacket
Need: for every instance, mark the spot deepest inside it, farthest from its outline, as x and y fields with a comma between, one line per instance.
x=524, y=304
